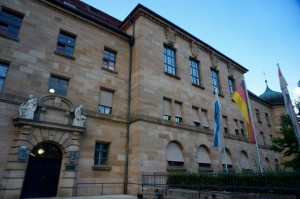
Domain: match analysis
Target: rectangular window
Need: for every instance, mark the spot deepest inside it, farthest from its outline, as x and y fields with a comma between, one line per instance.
x=106, y=100
x=109, y=59
x=204, y=165
x=205, y=123
x=101, y=154
x=169, y=60
x=215, y=80
x=167, y=109
x=65, y=43
x=267, y=119
x=258, y=115
x=58, y=85
x=236, y=129
x=242, y=129
x=10, y=23
x=175, y=164
x=231, y=85
x=195, y=73
x=224, y=123
x=262, y=139
x=178, y=112
x=196, y=117
x=3, y=73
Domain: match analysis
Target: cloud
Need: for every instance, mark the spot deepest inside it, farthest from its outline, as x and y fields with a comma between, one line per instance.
x=296, y=92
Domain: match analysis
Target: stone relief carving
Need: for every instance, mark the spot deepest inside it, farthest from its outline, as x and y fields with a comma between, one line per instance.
x=214, y=60
x=79, y=119
x=230, y=68
x=194, y=49
x=26, y=110
x=170, y=36
x=57, y=101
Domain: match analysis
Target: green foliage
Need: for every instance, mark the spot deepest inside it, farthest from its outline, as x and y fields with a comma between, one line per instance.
x=287, y=144
x=277, y=183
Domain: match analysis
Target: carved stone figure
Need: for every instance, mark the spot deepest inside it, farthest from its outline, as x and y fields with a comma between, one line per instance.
x=79, y=119
x=230, y=69
x=214, y=60
x=26, y=110
x=194, y=49
x=170, y=36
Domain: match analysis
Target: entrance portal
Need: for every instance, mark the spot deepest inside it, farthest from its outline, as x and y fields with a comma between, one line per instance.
x=42, y=174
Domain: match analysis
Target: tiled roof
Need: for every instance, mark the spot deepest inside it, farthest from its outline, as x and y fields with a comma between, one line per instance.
x=83, y=8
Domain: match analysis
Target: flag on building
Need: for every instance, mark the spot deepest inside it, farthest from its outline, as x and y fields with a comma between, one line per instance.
x=240, y=98
x=288, y=105
x=218, y=136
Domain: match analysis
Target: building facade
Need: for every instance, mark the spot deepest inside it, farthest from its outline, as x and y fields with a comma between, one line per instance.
x=146, y=87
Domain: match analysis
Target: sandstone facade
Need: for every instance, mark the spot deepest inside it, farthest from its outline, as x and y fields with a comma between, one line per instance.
x=135, y=130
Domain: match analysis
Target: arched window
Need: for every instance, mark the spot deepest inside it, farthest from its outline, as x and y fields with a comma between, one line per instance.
x=267, y=164
x=244, y=160
x=203, y=158
x=174, y=155
x=228, y=159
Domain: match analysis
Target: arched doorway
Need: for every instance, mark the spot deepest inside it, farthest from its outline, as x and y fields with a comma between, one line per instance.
x=42, y=174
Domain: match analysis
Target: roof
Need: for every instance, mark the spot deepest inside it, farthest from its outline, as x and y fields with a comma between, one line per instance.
x=272, y=97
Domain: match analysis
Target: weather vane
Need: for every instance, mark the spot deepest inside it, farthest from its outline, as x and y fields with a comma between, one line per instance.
x=265, y=78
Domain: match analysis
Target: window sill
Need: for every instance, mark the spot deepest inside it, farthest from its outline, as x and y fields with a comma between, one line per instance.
x=174, y=76
x=220, y=94
x=64, y=55
x=9, y=37
x=109, y=70
x=101, y=167
x=198, y=86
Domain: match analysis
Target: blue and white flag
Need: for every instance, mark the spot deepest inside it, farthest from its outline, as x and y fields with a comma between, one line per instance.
x=218, y=136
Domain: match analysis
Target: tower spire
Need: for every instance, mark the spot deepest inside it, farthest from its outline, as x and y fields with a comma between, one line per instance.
x=265, y=78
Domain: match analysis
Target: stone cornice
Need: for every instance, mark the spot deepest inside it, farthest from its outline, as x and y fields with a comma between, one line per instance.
x=157, y=19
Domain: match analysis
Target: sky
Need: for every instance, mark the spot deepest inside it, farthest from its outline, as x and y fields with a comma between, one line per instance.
x=257, y=34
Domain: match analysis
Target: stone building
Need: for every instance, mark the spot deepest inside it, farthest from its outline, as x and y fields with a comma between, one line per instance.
x=146, y=87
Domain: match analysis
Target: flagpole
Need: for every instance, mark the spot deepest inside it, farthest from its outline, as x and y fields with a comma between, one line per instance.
x=223, y=140
x=250, y=113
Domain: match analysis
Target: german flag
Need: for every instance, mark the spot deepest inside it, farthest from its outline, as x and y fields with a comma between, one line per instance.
x=240, y=98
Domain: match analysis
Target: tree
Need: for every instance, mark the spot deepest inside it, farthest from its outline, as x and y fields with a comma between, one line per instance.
x=287, y=144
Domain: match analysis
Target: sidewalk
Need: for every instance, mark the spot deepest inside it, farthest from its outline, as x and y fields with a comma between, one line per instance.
x=98, y=197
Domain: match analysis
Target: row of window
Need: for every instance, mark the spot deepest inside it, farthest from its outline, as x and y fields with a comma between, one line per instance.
x=175, y=158
x=167, y=103
x=170, y=68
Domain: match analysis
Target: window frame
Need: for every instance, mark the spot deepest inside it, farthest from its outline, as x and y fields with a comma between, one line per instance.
x=105, y=107
x=194, y=68
x=100, y=151
x=59, y=78
x=214, y=74
x=231, y=85
x=65, y=45
x=3, y=78
x=108, y=60
x=8, y=24
x=170, y=68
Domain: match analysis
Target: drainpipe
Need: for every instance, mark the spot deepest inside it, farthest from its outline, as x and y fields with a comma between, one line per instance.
x=131, y=43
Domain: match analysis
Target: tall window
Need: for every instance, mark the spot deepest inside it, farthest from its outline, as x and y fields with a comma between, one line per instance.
x=215, y=80
x=10, y=23
x=58, y=85
x=258, y=115
x=65, y=43
x=195, y=73
x=231, y=85
x=167, y=109
x=169, y=60
x=204, y=161
x=109, y=59
x=178, y=112
x=205, y=123
x=228, y=159
x=224, y=123
x=267, y=119
x=106, y=99
x=236, y=129
x=196, y=117
x=242, y=128
x=101, y=153
x=3, y=73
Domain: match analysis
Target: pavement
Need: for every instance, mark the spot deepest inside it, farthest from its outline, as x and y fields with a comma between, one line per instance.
x=97, y=197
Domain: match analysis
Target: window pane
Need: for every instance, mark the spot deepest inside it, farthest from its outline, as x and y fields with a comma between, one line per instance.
x=169, y=61
x=59, y=85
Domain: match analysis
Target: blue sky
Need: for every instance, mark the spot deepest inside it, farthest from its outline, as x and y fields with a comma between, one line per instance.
x=257, y=34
